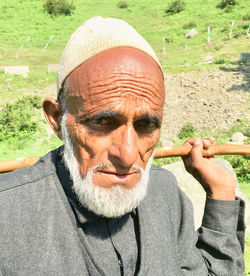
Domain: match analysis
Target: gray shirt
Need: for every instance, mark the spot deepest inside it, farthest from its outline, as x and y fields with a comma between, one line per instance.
x=45, y=231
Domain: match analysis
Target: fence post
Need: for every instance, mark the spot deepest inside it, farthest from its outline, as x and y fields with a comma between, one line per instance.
x=208, y=35
x=231, y=29
x=164, y=46
x=25, y=42
x=48, y=43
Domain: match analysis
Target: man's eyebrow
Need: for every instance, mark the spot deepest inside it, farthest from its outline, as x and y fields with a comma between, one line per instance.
x=151, y=118
x=106, y=114
x=109, y=114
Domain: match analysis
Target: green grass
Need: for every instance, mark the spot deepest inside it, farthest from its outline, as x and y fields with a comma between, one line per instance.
x=245, y=187
x=13, y=87
x=247, y=256
x=22, y=18
x=30, y=147
x=23, y=132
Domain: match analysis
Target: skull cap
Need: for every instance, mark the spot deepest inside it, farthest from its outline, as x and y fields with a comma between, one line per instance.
x=94, y=36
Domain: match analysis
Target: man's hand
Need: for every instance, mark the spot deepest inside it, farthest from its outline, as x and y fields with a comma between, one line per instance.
x=217, y=182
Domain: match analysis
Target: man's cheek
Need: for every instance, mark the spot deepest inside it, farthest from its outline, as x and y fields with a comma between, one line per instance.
x=147, y=146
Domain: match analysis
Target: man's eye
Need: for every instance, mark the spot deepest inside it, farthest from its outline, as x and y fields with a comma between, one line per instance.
x=102, y=122
x=145, y=126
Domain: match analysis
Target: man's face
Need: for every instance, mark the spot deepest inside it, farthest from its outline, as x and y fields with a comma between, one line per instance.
x=115, y=107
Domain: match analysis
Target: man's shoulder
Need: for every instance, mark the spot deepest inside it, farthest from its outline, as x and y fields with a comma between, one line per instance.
x=162, y=180
x=44, y=168
x=161, y=176
x=164, y=198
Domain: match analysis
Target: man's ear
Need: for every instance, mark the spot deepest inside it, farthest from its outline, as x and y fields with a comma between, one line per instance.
x=53, y=114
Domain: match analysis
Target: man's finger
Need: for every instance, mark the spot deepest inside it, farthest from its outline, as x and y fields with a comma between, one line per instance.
x=210, y=140
x=190, y=141
x=206, y=143
x=196, y=153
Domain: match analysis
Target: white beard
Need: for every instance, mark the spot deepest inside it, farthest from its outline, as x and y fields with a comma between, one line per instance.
x=107, y=202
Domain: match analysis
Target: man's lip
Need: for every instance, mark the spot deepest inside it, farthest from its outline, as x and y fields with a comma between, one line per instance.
x=127, y=179
x=118, y=173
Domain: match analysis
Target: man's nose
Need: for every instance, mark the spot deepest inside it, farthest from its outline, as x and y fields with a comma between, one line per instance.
x=124, y=146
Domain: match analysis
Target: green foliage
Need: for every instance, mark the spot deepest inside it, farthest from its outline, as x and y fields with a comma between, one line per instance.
x=246, y=131
x=247, y=256
x=175, y=6
x=31, y=101
x=189, y=25
x=227, y=4
x=160, y=162
x=241, y=166
x=240, y=163
x=243, y=26
x=187, y=131
x=122, y=4
x=58, y=7
x=246, y=16
x=17, y=119
x=220, y=61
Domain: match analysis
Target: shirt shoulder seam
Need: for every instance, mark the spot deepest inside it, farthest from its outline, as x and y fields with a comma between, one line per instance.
x=26, y=182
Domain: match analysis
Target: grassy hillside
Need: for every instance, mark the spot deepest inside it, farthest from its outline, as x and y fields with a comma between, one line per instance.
x=25, y=18
x=22, y=18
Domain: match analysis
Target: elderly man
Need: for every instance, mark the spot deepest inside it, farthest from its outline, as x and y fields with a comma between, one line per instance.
x=96, y=206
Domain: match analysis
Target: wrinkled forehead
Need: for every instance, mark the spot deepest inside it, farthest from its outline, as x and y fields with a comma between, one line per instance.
x=119, y=69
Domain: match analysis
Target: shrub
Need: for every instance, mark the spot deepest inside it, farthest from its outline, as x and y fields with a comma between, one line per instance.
x=187, y=131
x=122, y=4
x=18, y=119
x=243, y=26
x=246, y=16
x=228, y=9
x=189, y=25
x=58, y=7
x=175, y=6
x=240, y=165
x=227, y=4
x=220, y=61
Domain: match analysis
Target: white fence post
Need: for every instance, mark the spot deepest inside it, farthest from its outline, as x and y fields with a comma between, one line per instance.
x=164, y=46
x=208, y=35
x=48, y=43
x=231, y=29
x=25, y=42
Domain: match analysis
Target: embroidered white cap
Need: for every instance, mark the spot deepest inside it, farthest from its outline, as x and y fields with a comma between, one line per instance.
x=94, y=36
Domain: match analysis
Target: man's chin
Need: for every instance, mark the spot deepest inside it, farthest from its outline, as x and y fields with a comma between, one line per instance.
x=109, y=202
x=117, y=196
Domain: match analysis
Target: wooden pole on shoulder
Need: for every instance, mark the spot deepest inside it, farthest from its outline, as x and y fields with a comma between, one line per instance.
x=10, y=165
x=210, y=151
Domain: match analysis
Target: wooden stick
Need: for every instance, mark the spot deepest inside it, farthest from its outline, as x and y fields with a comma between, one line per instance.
x=10, y=165
x=210, y=151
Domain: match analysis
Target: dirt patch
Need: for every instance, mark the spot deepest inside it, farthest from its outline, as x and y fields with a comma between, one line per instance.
x=214, y=100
